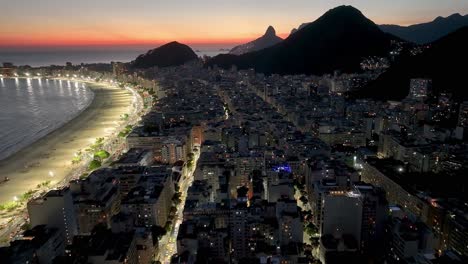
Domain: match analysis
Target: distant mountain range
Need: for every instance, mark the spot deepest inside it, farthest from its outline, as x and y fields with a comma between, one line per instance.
x=170, y=54
x=267, y=40
x=443, y=63
x=428, y=32
x=338, y=40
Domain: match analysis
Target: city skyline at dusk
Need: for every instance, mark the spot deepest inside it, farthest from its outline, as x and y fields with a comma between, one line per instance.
x=121, y=23
x=233, y=132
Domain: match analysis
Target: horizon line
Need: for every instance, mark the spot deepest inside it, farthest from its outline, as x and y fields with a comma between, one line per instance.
x=130, y=43
x=65, y=43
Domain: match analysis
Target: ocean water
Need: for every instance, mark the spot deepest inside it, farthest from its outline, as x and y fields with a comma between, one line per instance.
x=36, y=57
x=32, y=108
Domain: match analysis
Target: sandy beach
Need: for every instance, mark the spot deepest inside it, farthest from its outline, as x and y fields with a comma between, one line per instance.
x=49, y=158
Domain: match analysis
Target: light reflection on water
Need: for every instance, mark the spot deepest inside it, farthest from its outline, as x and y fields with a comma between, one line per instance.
x=31, y=108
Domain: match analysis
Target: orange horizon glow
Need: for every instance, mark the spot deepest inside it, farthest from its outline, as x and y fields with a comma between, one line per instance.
x=90, y=42
x=60, y=36
x=51, y=23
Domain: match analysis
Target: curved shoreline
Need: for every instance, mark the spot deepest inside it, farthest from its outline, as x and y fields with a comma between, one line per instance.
x=49, y=158
x=52, y=129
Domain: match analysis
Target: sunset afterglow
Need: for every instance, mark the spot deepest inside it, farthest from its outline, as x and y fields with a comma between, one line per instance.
x=233, y=131
x=89, y=23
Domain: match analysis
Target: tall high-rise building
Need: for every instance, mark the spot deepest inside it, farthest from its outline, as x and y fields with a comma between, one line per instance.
x=55, y=209
x=173, y=150
x=238, y=227
x=342, y=214
x=150, y=202
x=457, y=233
x=96, y=199
x=374, y=216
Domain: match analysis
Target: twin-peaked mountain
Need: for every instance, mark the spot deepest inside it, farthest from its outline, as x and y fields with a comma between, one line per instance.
x=267, y=40
x=338, y=40
x=170, y=54
x=428, y=32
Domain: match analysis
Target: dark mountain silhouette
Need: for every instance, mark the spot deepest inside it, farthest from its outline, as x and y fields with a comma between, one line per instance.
x=444, y=62
x=301, y=26
x=267, y=40
x=338, y=40
x=428, y=32
x=170, y=54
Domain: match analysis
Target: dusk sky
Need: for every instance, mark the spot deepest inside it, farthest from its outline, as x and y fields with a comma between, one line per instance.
x=136, y=22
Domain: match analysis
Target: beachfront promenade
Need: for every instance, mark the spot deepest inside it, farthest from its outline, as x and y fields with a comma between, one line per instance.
x=50, y=158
